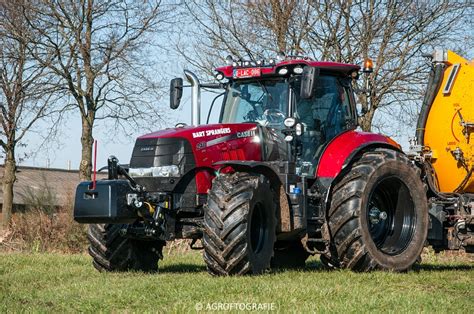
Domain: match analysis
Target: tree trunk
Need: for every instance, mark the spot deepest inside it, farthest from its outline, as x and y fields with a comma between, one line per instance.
x=9, y=177
x=85, y=169
x=365, y=122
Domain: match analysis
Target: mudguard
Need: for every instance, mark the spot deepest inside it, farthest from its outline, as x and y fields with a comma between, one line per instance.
x=343, y=148
x=268, y=168
x=279, y=182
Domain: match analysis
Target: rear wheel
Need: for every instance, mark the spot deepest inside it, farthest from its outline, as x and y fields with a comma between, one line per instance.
x=112, y=252
x=239, y=225
x=378, y=217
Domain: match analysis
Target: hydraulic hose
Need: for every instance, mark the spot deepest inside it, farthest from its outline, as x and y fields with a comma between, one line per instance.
x=464, y=182
x=430, y=174
x=434, y=82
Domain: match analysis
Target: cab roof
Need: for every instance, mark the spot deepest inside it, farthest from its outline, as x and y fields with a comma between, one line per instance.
x=272, y=69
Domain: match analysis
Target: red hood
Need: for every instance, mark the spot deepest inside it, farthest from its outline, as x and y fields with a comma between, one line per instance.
x=216, y=142
x=193, y=133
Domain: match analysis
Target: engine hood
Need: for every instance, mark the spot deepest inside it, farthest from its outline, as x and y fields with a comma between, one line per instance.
x=195, y=150
x=208, y=131
x=215, y=142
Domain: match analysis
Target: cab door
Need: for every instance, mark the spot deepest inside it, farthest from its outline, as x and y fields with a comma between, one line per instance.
x=324, y=116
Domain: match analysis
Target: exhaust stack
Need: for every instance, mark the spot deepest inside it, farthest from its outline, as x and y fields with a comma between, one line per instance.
x=195, y=97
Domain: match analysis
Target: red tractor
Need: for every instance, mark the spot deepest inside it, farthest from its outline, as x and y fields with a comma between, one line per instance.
x=283, y=175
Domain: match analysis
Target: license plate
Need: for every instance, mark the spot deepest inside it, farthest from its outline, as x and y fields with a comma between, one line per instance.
x=248, y=72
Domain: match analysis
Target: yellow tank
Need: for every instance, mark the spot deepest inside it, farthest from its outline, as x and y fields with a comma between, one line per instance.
x=448, y=133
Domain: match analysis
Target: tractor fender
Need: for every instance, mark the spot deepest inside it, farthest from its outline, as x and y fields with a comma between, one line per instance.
x=270, y=170
x=342, y=149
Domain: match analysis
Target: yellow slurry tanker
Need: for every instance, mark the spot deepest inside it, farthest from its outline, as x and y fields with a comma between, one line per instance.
x=445, y=150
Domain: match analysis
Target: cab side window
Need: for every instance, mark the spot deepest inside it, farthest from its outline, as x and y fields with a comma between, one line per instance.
x=325, y=115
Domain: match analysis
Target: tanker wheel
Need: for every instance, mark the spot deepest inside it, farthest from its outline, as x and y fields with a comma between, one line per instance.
x=378, y=216
x=112, y=252
x=239, y=225
x=289, y=255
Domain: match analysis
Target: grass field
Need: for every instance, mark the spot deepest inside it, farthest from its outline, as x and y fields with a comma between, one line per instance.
x=65, y=283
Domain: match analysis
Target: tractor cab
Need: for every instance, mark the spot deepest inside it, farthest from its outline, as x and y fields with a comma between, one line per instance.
x=268, y=95
x=328, y=112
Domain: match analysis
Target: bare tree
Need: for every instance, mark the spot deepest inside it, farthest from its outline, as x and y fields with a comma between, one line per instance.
x=99, y=53
x=394, y=33
x=244, y=29
x=24, y=86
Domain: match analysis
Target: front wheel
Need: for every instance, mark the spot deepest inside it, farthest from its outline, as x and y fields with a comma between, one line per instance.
x=378, y=216
x=113, y=252
x=239, y=225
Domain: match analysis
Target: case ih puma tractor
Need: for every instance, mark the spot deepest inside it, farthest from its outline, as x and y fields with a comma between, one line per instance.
x=286, y=174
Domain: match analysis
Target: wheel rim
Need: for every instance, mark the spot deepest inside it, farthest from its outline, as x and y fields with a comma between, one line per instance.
x=391, y=215
x=258, y=228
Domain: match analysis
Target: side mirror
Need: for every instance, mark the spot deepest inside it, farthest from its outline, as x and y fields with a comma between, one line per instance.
x=176, y=92
x=307, y=81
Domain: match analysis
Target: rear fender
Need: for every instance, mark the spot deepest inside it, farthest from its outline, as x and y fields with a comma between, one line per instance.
x=342, y=150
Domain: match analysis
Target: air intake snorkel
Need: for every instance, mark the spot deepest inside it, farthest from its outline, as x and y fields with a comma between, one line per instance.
x=195, y=97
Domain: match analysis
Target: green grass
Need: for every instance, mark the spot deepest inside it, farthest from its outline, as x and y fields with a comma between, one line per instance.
x=69, y=283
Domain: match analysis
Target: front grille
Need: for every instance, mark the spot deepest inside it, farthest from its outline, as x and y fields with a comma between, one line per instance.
x=157, y=152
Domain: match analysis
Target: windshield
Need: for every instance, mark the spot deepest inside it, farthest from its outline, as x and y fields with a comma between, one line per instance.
x=264, y=102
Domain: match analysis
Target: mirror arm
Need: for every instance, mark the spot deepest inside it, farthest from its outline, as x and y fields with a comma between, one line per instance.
x=212, y=85
x=212, y=105
x=368, y=89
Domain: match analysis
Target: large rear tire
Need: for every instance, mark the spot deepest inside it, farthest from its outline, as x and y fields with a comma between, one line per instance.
x=378, y=216
x=239, y=225
x=112, y=252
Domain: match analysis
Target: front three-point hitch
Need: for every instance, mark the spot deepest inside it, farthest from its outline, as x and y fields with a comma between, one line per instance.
x=122, y=201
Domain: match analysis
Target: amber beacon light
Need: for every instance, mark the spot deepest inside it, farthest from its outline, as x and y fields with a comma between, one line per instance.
x=368, y=66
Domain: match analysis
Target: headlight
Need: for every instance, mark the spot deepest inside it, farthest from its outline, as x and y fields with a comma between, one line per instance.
x=282, y=71
x=289, y=122
x=163, y=171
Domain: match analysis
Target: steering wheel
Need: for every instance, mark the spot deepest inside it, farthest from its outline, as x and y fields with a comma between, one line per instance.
x=274, y=116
